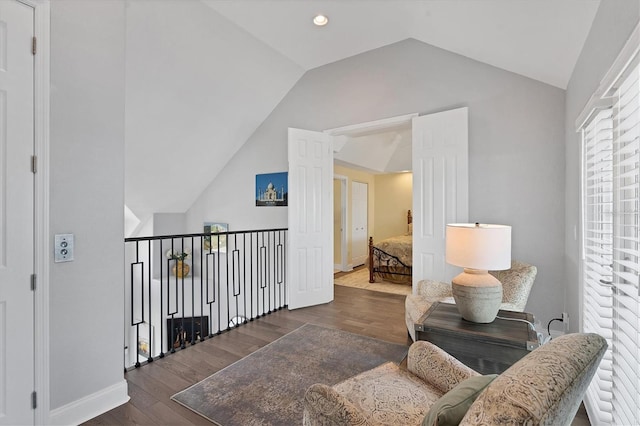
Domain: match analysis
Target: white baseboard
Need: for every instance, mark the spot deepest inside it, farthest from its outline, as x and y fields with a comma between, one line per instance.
x=90, y=406
x=338, y=267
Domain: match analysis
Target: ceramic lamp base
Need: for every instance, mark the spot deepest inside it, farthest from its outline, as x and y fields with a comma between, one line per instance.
x=478, y=295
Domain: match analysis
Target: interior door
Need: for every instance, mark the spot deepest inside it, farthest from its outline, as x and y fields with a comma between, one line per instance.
x=360, y=229
x=440, y=188
x=310, y=265
x=16, y=213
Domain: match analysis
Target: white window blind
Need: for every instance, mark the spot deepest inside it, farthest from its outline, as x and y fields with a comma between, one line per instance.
x=611, y=243
x=598, y=252
x=626, y=244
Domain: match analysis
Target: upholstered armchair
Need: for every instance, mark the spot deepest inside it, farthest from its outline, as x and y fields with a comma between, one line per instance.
x=543, y=388
x=516, y=286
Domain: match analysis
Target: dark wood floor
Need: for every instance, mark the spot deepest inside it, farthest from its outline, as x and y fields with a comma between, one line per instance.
x=369, y=313
x=151, y=386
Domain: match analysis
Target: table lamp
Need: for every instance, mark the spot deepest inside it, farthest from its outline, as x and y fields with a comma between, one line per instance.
x=478, y=248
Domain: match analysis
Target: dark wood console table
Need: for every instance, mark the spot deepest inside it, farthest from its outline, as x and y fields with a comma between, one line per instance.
x=487, y=348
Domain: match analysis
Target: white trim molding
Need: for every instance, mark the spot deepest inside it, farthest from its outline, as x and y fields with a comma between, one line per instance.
x=90, y=406
x=601, y=98
x=373, y=126
x=41, y=206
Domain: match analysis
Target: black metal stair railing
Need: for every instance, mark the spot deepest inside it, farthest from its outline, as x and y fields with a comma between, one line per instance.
x=183, y=289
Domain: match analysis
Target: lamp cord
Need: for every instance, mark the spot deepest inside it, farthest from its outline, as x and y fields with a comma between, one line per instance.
x=549, y=325
x=533, y=327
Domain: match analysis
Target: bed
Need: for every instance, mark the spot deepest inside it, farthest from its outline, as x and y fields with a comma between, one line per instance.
x=391, y=259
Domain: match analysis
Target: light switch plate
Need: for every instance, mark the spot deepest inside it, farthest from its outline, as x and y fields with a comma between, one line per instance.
x=63, y=248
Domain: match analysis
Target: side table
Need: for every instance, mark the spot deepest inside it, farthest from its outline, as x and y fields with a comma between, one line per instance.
x=487, y=348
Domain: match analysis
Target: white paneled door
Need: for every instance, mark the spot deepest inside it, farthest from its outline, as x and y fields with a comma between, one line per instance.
x=16, y=213
x=440, y=188
x=310, y=265
x=360, y=229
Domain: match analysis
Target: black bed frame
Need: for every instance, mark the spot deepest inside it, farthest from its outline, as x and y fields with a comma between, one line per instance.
x=385, y=259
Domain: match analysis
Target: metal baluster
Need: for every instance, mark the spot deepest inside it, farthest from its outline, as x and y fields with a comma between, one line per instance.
x=150, y=357
x=263, y=275
x=175, y=311
x=244, y=276
x=133, y=322
x=160, y=254
x=251, y=277
x=202, y=336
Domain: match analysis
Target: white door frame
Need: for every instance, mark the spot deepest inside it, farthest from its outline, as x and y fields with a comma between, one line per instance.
x=344, y=218
x=353, y=130
x=373, y=126
x=41, y=204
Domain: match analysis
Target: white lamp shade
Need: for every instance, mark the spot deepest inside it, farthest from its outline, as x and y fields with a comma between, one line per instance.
x=479, y=246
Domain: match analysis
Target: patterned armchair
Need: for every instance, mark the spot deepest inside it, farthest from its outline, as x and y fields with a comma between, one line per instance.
x=516, y=286
x=543, y=388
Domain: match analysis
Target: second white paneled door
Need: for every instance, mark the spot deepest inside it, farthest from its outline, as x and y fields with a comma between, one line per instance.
x=440, y=188
x=359, y=220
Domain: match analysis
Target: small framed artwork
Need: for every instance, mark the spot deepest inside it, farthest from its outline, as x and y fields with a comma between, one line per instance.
x=144, y=344
x=215, y=242
x=271, y=189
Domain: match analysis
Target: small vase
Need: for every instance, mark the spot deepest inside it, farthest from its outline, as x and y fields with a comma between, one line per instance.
x=180, y=269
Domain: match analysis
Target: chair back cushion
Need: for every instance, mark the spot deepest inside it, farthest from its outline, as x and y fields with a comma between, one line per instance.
x=516, y=283
x=543, y=388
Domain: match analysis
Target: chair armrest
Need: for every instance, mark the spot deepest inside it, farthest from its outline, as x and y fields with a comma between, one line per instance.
x=323, y=405
x=434, y=290
x=437, y=367
x=510, y=307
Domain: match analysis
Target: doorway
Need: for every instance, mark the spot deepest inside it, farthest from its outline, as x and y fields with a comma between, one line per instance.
x=439, y=157
x=363, y=152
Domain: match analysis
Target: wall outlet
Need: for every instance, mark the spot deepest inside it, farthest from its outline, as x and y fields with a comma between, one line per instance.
x=565, y=321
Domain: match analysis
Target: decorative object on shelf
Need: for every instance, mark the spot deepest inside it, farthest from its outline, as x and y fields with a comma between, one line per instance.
x=180, y=268
x=145, y=331
x=237, y=321
x=478, y=248
x=271, y=189
x=215, y=242
x=184, y=331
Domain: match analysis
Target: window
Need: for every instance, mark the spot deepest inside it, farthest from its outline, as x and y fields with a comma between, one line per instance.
x=597, y=234
x=611, y=238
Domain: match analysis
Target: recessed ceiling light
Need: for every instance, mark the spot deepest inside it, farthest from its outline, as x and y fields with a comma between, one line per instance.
x=321, y=20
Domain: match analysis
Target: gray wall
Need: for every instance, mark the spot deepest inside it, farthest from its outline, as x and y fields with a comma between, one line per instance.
x=86, y=197
x=612, y=25
x=516, y=147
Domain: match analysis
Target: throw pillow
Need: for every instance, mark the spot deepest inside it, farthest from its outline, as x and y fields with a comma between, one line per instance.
x=453, y=405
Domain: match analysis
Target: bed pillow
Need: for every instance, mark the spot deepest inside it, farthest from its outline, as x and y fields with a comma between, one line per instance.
x=453, y=405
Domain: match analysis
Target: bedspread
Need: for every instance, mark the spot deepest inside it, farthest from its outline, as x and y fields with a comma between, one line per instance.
x=400, y=247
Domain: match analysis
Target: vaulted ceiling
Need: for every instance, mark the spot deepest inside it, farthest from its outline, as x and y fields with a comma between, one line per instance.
x=540, y=39
x=202, y=75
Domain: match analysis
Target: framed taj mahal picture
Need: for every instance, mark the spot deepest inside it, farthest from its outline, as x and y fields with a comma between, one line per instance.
x=271, y=189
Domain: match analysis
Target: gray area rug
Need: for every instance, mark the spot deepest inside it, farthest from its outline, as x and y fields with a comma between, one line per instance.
x=267, y=387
